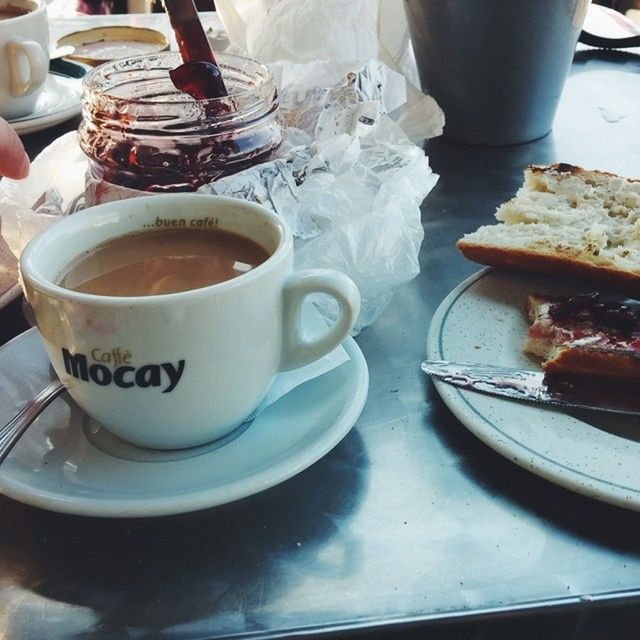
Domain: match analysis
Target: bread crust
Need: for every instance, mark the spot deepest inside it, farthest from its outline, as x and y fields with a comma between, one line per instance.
x=611, y=364
x=545, y=254
x=564, y=167
x=626, y=282
x=603, y=362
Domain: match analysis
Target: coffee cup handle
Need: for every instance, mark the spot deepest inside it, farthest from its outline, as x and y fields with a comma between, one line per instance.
x=37, y=61
x=298, y=350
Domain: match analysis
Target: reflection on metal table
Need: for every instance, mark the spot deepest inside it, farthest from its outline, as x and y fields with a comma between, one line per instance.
x=409, y=521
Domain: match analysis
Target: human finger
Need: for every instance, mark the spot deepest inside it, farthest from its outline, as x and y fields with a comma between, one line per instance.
x=14, y=161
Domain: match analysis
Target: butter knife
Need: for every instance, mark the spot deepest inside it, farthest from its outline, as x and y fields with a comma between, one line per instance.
x=534, y=386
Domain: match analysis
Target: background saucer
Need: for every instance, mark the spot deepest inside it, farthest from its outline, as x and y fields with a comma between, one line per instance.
x=59, y=101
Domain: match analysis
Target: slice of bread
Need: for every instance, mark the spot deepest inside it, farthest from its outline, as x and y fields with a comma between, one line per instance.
x=566, y=220
x=576, y=343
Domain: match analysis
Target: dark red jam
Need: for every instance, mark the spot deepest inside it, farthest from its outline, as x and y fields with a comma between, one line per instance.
x=140, y=132
x=201, y=80
x=200, y=74
x=589, y=307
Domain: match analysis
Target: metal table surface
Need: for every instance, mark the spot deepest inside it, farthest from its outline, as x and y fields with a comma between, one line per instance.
x=409, y=521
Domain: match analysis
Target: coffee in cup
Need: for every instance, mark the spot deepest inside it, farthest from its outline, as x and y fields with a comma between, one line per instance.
x=24, y=55
x=12, y=11
x=175, y=369
x=162, y=261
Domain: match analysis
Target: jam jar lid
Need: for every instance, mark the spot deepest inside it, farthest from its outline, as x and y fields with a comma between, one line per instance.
x=102, y=44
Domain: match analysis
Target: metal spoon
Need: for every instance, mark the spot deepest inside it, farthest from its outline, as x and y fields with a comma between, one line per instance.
x=11, y=432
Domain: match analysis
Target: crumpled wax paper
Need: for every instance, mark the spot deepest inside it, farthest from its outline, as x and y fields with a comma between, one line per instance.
x=348, y=182
x=55, y=187
x=313, y=31
x=349, y=177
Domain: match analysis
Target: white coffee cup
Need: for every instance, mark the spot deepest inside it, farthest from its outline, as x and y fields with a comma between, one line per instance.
x=181, y=369
x=24, y=57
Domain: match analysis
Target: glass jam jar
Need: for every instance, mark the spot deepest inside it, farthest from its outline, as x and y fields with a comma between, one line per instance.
x=140, y=132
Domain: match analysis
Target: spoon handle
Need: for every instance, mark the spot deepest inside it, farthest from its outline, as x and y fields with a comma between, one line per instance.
x=11, y=432
x=192, y=40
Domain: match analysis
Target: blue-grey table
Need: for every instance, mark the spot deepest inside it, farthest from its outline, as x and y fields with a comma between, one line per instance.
x=410, y=527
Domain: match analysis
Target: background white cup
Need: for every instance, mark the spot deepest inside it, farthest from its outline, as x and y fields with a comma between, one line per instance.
x=182, y=369
x=24, y=57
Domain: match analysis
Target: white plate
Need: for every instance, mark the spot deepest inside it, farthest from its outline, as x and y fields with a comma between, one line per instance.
x=592, y=453
x=64, y=463
x=59, y=101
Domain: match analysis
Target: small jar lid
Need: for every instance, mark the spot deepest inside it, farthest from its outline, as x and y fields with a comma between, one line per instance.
x=103, y=44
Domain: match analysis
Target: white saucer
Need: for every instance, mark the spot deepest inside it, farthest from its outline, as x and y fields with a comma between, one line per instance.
x=62, y=464
x=59, y=101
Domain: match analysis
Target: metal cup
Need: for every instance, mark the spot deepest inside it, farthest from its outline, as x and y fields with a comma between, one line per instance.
x=496, y=67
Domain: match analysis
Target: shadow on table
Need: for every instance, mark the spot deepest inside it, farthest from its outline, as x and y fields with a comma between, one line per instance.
x=617, y=56
x=225, y=562
x=585, y=517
